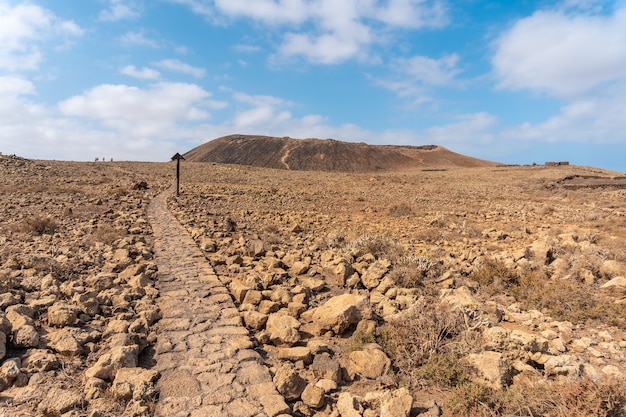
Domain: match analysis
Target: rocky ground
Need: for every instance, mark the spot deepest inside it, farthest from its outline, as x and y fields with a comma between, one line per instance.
x=338, y=277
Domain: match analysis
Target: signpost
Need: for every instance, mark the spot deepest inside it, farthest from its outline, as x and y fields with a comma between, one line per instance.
x=177, y=158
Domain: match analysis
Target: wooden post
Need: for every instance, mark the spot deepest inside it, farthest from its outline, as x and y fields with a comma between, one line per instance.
x=177, y=158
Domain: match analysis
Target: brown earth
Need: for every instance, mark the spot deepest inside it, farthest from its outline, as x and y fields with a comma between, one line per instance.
x=524, y=266
x=326, y=155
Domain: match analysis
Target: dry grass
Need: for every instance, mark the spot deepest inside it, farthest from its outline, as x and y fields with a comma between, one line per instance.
x=566, y=300
x=39, y=225
x=581, y=398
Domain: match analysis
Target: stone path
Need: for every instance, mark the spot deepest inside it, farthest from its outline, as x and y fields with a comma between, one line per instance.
x=204, y=353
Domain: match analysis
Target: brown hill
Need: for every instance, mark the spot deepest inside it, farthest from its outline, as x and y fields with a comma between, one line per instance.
x=325, y=155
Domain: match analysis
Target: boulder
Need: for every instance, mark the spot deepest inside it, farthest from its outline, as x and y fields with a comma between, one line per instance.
x=118, y=357
x=339, y=313
x=9, y=372
x=295, y=354
x=616, y=287
x=254, y=320
x=63, y=341
x=338, y=274
x=369, y=363
x=396, y=403
x=135, y=383
x=374, y=274
x=283, y=329
x=3, y=345
x=59, y=401
x=40, y=360
x=288, y=382
x=325, y=367
x=493, y=368
x=313, y=396
x=61, y=314
x=25, y=336
x=349, y=405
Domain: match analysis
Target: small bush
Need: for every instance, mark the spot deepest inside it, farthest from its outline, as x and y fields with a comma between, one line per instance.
x=400, y=210
x=380, y=247
x=427, y=342
x=409, y=271
x=359, y=340
x=39, y=225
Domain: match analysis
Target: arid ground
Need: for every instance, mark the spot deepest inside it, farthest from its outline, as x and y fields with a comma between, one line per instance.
x=440, y=291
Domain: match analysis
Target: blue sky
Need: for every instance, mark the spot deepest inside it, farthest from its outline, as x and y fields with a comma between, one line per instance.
x=514, y=82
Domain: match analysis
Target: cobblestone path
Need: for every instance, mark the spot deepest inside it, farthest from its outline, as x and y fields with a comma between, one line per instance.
x=204, y=353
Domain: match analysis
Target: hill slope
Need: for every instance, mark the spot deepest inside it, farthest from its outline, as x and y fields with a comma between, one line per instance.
x=325, y=155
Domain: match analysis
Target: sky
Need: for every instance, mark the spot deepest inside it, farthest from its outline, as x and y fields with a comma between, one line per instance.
x=517, y=82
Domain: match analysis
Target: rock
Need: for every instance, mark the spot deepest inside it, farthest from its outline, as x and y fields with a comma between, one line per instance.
x=3, y=345
x=348, y=405
x=253, y=297
x=40, y=360
x=94, y=388
x=397, y=403
x=288, y=382
x=529, y=341
x=295, y=354
x=327, y=385
x=108, y=364
x=300, y=267
x=254, y=320
x=313, y=396
x=370, y=363
x=283, y=329
x=611, y=269
x=338, y=274
x=59, y=401
x=493, y=368
x=5, y=325
x=616, y=287
x=63, y=341
x=25, y=337
x=62, y=314
x=9, y=372
x=374, y=274
x=339, y=313
x=458, y=297
x=561, y=365
x=208, y=244
x=135, y=383
x=324, y=367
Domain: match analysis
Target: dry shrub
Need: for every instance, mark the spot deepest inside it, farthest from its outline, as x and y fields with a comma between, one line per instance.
x=427, y=344
x=106, y=234
x=39, y=225
x=400, y=210
x=410, y=271
x=581, y=398
x=493, y=277
x=379, y=247
x=566, y=300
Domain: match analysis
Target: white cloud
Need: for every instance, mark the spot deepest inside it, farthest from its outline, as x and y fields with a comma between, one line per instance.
x=24, y=29
x=593, y=121
x=175, y=65
x=15, y=86
x=162, y=102
x=562, y=54
x=138, y=38
x=143, y=74
x=119, y=10
x=430, y=71
x=328, y=31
